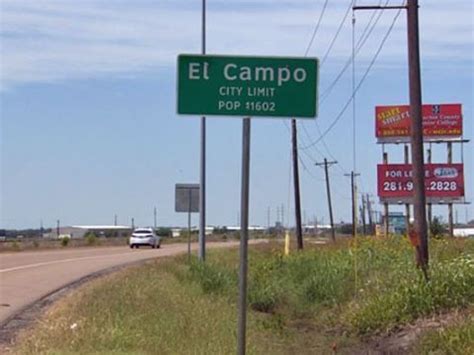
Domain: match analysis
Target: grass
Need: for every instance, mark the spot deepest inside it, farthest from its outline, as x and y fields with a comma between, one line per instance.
x=133, y=313
x=457, y=339
x=310, y=302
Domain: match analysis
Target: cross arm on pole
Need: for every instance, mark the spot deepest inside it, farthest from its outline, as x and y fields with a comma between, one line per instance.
x=378, y=7
x=329, y=163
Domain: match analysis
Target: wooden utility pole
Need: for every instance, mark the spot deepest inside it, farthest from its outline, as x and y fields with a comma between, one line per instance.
x=354, y=202
x=417, y=130
x=416, y=138
x=407, y=205
x=450, y=205
x=369, y=212
x=362, y=213
x=299, y=233
x=268, y=218
x=328, y=192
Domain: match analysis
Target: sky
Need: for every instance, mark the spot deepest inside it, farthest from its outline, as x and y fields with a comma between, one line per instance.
x=89, y=128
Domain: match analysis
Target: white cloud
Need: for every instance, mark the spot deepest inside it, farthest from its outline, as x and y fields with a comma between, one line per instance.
x=44, y=41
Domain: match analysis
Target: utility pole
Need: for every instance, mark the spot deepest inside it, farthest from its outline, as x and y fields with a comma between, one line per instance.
x=268, y=217
x=450, y=205
x=416, y=138
x=283, y=215
x=296, y=180
x=154, y=218
x=407, y=205
x=133, y=223
x=354, y=202
x=369, y=212
x=57, y=228
x=328, y=193
x=363, y=208
x=115, y=219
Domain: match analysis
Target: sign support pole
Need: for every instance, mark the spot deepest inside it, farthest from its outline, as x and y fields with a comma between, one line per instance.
x=450, y=205
x=244, y=222
x=429, y=206
x=385, y=205
x=407, y=205
x=202, y=177
x=189, y=226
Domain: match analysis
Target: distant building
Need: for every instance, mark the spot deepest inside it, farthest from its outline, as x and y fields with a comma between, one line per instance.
x=463, y=232
x=250, y=228
x=77, y=232
x=315, y=228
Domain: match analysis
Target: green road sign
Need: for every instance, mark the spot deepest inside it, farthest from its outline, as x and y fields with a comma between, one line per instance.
x=247, y=86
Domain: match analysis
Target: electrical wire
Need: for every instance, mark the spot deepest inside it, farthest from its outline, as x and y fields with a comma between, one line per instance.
x=333, y=41
x=346, y=105
x=316, y=28
x=361, y=42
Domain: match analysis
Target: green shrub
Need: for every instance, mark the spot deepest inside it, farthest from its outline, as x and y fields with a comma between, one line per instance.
x=437, y=228
x=210, y=277
x=65, y=241
x=265, y=289
x=91, y=238
x=15, y=246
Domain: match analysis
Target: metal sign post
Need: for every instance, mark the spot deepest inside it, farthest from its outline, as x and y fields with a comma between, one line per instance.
x=244, y=224
x=187, y=199
x=246, y=86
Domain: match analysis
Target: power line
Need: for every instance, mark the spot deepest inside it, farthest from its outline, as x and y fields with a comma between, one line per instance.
x=337, y=33
x=325, y=56
x=362, y=40
x=338, y=117
x=316, y=28
x=360, y=43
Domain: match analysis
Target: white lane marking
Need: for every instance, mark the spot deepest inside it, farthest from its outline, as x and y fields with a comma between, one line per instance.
x=61, y=261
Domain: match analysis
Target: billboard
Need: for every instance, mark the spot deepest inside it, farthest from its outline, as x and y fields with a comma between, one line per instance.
x=392, y=123
x=444, y=183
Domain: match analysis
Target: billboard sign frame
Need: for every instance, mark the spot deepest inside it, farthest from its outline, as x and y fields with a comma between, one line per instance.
x=444, y=183
x=440, y=121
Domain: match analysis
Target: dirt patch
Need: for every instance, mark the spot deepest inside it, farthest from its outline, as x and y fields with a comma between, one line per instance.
x=402, y=340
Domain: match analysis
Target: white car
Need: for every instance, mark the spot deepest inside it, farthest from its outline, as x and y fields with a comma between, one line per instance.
x=144, y=236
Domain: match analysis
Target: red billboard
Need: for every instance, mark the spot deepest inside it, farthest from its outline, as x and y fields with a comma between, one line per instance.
x=444, y=183
x=392, y=123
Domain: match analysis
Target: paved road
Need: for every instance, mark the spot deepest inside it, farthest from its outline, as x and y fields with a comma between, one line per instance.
x=26, y=277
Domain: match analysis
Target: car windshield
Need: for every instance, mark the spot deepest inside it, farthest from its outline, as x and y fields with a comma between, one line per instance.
x=143, y=231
